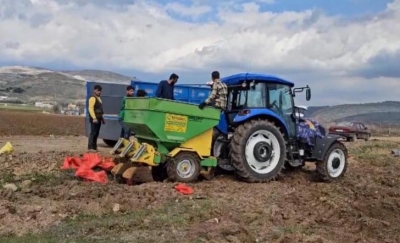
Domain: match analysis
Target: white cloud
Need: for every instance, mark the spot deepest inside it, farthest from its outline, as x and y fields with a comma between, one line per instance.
x=143, y=36
x=192, y=11
x=266, y=1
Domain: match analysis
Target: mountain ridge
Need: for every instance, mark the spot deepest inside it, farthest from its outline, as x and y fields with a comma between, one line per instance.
x=30, y=84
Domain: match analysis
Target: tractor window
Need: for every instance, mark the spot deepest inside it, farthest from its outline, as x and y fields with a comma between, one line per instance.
x=257, y=96
x=281, y=102
x=280, y=98
x=254, y=97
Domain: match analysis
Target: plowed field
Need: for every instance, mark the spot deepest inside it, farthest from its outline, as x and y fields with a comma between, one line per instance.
x=50, y=205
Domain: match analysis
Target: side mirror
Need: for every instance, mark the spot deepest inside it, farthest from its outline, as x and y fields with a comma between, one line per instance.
x=365, y=128
x=298, y=115
x=308, y=94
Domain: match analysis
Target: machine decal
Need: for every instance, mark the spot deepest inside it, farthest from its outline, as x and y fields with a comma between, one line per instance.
x=175, y=123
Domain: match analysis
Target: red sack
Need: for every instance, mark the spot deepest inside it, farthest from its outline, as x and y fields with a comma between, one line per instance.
x=71, y=163
x=107, y=164
x=91, y=175
x=84, y=167
x=184, y=189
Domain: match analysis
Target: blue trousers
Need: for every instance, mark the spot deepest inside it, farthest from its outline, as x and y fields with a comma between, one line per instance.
x=125, y=130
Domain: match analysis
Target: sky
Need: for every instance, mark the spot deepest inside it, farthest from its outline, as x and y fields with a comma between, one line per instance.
x=347, y=51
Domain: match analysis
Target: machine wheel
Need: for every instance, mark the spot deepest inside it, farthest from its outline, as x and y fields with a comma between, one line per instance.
x=367, y=137
x=258, y=151
x=184, y=167
x=334, y=164
x=216, y=147
x=110, y=143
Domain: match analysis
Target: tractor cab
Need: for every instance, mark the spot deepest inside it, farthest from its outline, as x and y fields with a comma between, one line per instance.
x=253, y=95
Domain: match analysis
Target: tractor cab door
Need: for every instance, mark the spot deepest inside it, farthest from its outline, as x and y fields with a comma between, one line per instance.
x=281, y=102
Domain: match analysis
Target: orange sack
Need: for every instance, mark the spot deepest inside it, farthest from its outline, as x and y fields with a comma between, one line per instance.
x=184, y=189
x=84, y=167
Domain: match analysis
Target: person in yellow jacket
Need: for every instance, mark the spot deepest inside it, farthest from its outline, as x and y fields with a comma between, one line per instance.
x=95, y=117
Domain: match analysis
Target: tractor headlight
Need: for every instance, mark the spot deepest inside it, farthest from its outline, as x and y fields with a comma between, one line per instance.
x=244, y=84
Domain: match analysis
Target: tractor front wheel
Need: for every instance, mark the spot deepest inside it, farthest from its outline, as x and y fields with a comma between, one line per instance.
x=334, y=164
x=258, y=151
x=184, y=167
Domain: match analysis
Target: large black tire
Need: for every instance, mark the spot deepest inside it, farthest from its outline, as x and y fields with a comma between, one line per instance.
x=110, y=143
x=323, y=172
x=173, y=169
x=238, y=151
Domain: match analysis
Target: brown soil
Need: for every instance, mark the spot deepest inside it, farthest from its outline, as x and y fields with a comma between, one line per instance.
x=32, y=123
x=51, y=204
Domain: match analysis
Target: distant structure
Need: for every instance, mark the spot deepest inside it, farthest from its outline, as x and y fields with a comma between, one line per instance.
x=71, y=110
x=42, y=104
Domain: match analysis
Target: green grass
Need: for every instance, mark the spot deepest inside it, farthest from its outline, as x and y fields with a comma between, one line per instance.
x=375, y=153
x=142, y=225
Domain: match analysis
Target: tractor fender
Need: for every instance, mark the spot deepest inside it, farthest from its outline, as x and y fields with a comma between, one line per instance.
x=222, y=126
x=322, y=145
x=259, y=113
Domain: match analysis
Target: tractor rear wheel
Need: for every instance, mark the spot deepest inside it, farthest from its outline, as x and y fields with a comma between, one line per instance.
x=258, y=151
x=184, y=167
x=334, y=164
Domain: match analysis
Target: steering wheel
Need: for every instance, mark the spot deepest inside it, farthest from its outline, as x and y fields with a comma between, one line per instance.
x=275, y=105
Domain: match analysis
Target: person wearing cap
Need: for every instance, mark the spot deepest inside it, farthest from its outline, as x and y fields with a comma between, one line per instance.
x=219, y=93
x=95, y=117
x=165, y=89
x=125, y=130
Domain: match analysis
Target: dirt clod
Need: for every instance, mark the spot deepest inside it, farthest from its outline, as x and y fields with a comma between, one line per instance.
x=11, y=186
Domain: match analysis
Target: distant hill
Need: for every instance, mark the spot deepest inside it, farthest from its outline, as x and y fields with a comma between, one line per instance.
x=374, y=118
x=99, y=76
x=380, y=112
x=313, y=109
x=31, y=84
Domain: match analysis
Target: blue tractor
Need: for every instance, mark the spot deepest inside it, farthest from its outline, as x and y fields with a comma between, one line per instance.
x=261, y=132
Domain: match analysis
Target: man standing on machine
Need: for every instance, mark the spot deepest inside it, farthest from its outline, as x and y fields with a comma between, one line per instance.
x=219, y=93
x=165, y=88
x=95, y=117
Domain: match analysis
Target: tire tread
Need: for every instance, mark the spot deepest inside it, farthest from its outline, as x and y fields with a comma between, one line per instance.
x=321, y=168
x=238, y=144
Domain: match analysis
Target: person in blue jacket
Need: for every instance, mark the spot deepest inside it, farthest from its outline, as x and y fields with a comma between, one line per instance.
x=165, y=89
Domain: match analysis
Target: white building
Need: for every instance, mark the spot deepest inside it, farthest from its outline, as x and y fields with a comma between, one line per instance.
x=43, y=105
